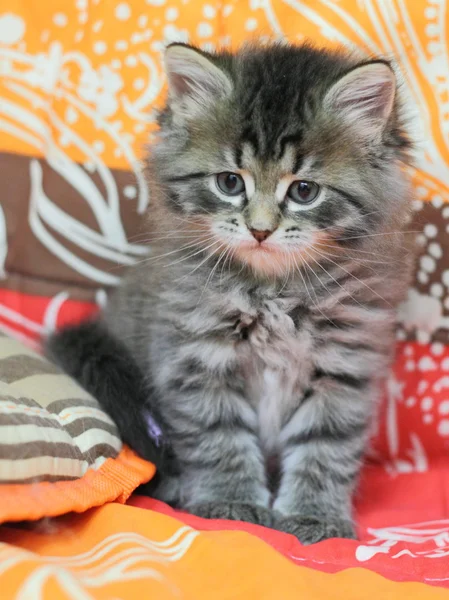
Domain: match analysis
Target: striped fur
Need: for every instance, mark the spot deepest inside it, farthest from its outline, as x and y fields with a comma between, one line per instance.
x=267, y=365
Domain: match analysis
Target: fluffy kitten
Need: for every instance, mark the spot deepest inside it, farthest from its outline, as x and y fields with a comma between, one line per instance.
x=262, y=328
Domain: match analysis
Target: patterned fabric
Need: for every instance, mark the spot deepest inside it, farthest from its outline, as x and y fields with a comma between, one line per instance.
x=59, y=452
x=79, y=84
x=50, y=428
x=128, y=553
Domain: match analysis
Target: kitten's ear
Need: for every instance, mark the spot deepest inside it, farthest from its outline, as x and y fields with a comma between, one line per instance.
x=365, y=98
x=194, y=81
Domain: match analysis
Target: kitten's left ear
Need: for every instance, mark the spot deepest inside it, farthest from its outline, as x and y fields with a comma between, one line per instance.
x=194, y=81
x=364, y=97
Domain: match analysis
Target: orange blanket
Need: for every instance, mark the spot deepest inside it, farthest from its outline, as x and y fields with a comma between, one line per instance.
x=127, y=552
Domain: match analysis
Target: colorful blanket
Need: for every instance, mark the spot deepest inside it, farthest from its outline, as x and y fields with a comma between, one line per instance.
x=125, y=552
x=79, y=83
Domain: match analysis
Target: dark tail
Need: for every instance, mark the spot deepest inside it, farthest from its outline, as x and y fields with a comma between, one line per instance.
x=103, y=366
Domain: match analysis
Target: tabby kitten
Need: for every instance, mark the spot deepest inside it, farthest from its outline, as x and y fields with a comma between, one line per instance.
x=261, y=329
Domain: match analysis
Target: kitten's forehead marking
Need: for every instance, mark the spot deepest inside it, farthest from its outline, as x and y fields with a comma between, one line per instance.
x=288, y=160
x=230, y=160
x=250, y=184
x=286, y=164
x=304, y=171
x=282, y=187
x=248, y=155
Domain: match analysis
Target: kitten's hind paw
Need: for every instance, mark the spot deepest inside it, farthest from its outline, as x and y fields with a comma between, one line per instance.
x=234, y=511
x=310, y=530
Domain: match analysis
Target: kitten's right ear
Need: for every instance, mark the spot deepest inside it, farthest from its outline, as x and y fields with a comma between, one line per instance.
x=194, y=81
x=364, y=97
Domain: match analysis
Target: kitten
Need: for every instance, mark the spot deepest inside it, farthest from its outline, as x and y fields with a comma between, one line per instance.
x=262, y=328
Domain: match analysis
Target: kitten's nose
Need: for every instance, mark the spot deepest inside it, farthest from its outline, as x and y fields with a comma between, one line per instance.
x=260, y=236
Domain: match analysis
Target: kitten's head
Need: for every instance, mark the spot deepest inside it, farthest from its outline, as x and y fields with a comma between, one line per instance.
x=283, y=154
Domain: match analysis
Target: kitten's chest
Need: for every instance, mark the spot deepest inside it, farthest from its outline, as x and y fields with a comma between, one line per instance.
x=276, y=364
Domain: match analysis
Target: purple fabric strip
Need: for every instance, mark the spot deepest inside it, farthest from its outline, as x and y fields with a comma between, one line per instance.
x=154, y=431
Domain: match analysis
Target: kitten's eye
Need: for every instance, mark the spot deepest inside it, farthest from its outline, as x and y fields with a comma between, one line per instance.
x=303, y=192
x=230, y=184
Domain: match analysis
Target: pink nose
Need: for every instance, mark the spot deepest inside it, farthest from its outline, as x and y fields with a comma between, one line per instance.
x=260, y=236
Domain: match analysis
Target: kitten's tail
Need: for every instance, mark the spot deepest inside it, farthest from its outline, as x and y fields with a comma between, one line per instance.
x=103, y=366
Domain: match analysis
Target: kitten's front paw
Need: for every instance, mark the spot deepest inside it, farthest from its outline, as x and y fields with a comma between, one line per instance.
x=234, y=511
x=310, y=530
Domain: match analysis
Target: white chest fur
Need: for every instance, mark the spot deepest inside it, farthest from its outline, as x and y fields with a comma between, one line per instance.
x=277, y=365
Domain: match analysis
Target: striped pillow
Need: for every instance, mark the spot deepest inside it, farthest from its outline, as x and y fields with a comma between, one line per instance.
x=50, y=428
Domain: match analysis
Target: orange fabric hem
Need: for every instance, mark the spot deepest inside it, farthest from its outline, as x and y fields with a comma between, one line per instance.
x=115, y=481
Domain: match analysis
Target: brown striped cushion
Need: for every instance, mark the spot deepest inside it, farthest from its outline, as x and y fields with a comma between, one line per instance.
x=50, y=428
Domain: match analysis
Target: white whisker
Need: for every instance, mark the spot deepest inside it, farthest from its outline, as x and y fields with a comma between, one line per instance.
x=212, y=272
x=180, y=249
x=315, y=304
x=229, y=256
x=355, y=277
x=344, y=253
x=369, y=235
x=203, y=249
x=333, y=279
x=289, y=263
